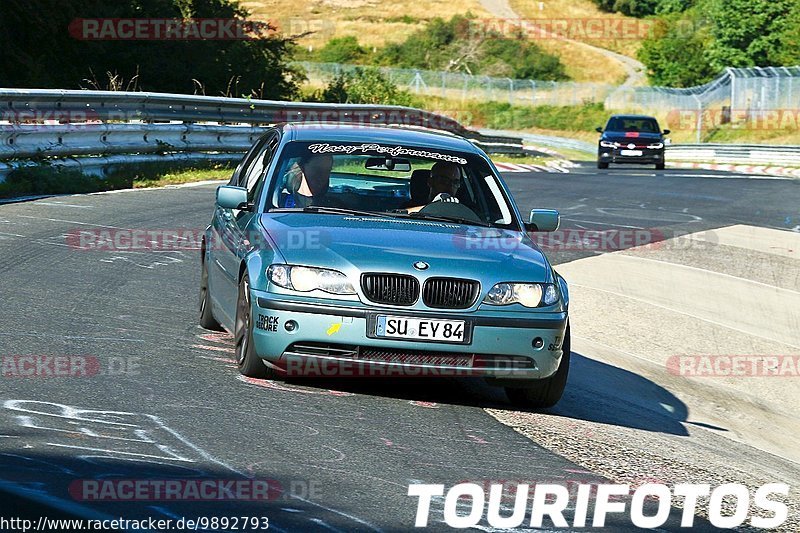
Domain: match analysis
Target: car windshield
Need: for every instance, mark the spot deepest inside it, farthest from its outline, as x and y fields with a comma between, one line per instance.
x=643, y=125
x=389, y=180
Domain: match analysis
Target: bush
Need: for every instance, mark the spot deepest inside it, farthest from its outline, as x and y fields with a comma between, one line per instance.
x=364, y=86
x=342, y=50
x=454, y=45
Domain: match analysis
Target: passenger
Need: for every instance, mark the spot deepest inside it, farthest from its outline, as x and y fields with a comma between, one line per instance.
x=308, y=180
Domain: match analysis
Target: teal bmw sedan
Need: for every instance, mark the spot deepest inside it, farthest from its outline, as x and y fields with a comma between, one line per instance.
x=345, y=250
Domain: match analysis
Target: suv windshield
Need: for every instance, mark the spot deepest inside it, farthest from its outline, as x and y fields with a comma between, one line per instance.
x=389, y=180
x=644, y=125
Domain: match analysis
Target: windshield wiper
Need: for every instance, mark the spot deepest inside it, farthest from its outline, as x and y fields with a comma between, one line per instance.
x=331, y=210
x=445, y=218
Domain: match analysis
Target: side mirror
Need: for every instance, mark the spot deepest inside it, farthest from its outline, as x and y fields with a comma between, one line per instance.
x=231, y=197
x=598, y=129
x=543, y=220
x=666, y=132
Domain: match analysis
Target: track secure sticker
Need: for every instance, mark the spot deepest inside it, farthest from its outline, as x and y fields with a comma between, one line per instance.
x=267, y=323
x=394, y=151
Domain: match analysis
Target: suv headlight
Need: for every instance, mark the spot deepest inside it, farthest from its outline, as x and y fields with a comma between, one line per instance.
x=527, y=294
x=606, y=144
x=306, y=279
x=655, y=146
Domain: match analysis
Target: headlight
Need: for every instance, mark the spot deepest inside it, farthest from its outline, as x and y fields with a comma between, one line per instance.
x=527, y=294
x=306, y=279
x=606, y=144
x=656, y=146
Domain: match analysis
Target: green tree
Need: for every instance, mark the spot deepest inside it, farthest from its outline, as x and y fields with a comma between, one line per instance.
x=40, y=51
x=675, y=54
x=750, y=32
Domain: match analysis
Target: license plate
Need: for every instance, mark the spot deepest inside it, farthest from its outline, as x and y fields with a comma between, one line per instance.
x=421, y=329
x=630, y=152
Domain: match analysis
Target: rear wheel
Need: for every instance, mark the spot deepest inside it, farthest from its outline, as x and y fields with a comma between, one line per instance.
x=543, y=393
x=601, y=164
x=659, y=166
x=246, y=358
x=207, y=319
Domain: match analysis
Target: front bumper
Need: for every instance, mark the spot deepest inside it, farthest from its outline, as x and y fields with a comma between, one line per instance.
x=332, y=339
x=614, y=155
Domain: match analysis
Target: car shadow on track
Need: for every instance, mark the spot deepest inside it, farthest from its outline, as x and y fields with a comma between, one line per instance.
x=599, y=392
x=596, y=392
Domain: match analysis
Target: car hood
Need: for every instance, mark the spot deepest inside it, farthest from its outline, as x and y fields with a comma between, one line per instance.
x=355, y=244
x=619, y=136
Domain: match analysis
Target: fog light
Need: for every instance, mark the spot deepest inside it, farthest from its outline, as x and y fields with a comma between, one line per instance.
x=290, y=325
x=537, y=343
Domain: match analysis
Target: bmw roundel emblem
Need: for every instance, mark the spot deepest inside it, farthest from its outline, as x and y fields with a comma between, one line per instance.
x=421, y=265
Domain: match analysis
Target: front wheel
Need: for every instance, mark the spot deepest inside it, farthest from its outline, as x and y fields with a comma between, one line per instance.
x=659, y=166
x=543, y=393
x=601, y=164
x=246, y=358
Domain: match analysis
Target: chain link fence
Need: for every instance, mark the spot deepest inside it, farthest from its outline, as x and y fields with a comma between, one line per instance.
x=761, y=97
x=752, y=89
x=463, y=86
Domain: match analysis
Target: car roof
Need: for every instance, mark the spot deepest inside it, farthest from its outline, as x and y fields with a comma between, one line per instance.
x=633, y=116
x=332, y=132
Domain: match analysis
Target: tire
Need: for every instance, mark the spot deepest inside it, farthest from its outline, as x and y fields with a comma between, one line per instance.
x=248, y=362
x=544, y=393
x=600, y=164
x=659, y=166
x=207, y=319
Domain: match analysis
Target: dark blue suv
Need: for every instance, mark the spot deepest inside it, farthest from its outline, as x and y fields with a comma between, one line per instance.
x=631, y=139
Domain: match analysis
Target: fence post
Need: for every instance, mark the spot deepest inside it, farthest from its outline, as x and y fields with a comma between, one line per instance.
x=699, y=118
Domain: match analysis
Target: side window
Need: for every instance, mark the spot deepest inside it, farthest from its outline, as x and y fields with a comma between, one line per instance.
x=253, y=179
x=245, y=163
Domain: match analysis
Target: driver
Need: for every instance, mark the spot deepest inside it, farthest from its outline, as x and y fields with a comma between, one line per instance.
x=444, y=182
x=308, y=180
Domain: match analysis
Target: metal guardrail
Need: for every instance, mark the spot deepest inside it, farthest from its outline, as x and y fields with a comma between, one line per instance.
x=771, y=155
x=74, y=128
x=549, y=141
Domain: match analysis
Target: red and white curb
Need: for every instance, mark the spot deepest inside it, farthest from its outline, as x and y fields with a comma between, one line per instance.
x=561, y=166
x=791, y=172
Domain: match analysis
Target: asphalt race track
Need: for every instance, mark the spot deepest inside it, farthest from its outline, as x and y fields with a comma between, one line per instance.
x=164, y=400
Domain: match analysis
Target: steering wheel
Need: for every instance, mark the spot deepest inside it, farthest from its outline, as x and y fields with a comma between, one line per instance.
x=451, y=209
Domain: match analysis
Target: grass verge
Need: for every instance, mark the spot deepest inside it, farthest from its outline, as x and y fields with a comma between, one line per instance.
x=47, y=179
